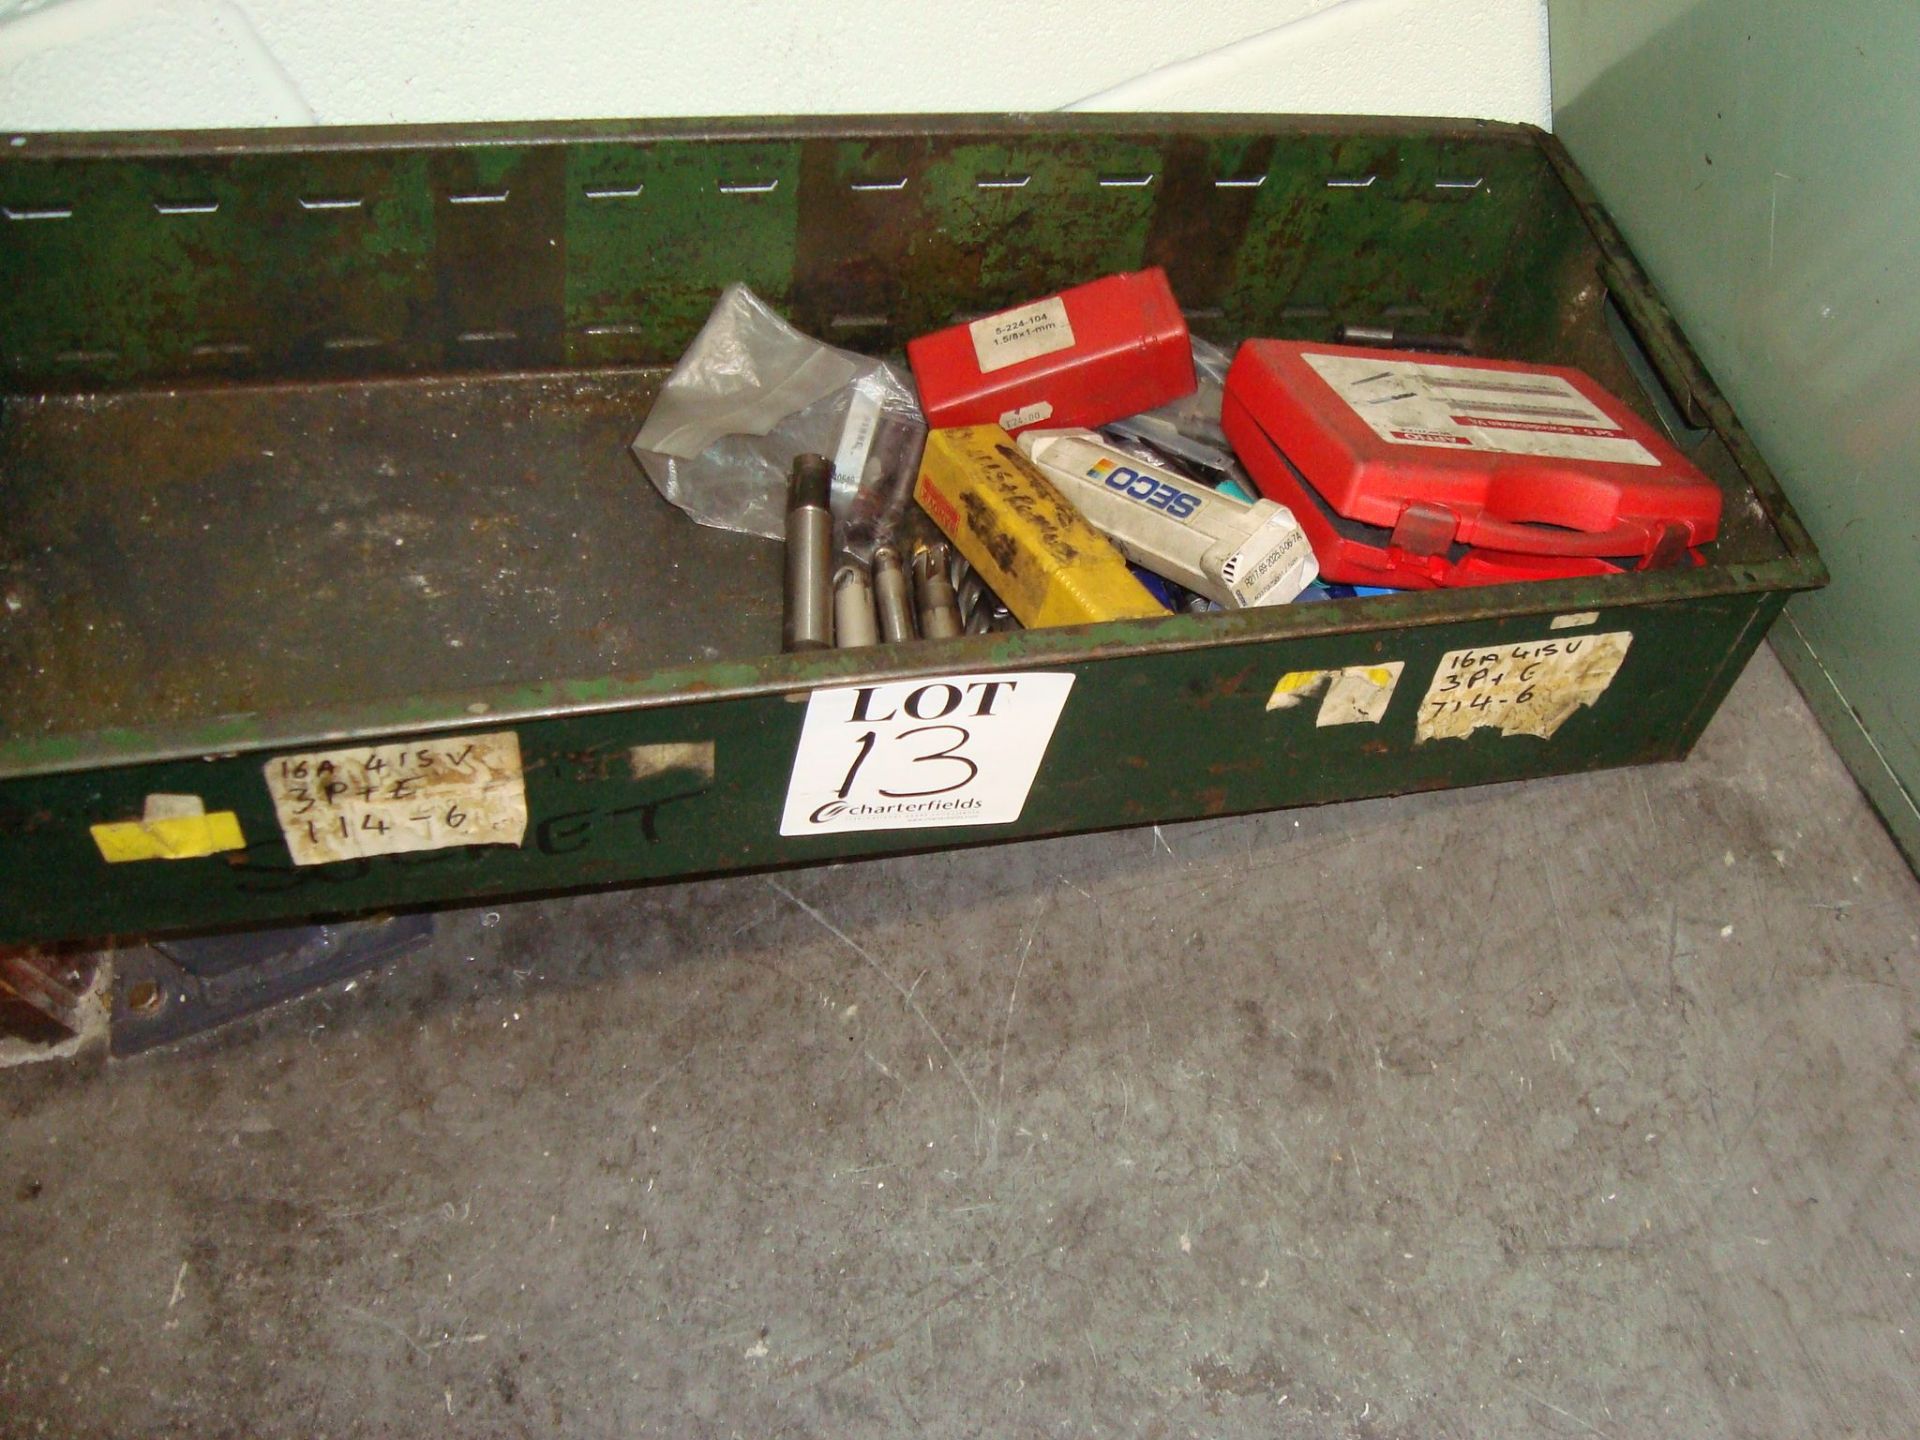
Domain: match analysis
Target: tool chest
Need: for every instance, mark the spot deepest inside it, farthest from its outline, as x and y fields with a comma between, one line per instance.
x=330, y=585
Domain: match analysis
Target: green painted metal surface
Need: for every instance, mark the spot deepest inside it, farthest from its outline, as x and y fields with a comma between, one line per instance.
x=358, y=254
x=1763, y=157
x=430, y=526
x=1150, y=734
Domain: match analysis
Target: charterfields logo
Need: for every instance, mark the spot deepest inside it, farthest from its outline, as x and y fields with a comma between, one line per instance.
x=838, y=809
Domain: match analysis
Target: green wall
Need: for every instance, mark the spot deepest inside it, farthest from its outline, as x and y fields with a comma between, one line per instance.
x=1763, y=157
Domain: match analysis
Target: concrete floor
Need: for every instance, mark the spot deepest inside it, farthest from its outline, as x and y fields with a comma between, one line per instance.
x=1583, y=1107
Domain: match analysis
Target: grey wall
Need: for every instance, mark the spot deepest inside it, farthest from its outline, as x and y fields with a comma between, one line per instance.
x=97, y=64
x=1763, y=157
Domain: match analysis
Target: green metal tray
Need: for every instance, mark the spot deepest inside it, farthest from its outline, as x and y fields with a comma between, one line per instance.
x=316, y=439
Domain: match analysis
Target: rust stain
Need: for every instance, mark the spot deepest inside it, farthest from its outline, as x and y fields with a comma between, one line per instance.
x=1237, y=767
x=1228, y=686
x=1198, y=229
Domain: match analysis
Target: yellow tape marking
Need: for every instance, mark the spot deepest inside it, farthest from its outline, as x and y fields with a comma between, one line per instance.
x=181, y=837
x=1294, y=687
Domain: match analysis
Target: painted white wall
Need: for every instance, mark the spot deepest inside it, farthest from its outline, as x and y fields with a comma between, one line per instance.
x=161, y=64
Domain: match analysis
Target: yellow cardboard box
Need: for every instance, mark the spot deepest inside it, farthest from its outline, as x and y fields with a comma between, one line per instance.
x=1029, y=544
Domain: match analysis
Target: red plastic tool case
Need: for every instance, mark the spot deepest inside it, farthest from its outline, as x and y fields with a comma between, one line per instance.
x=1424, y=470
x=1087, y=356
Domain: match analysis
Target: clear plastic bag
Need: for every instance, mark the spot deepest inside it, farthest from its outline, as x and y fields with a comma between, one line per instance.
x=1187, y=430
x=751, y=393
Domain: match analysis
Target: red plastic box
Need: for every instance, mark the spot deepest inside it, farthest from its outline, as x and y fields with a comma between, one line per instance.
x=1423, y=470
x=1084, y=357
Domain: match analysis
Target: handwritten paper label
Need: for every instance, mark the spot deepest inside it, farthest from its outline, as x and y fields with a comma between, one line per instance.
x=918, y=754
x=1023, y=334
x=390, y=799
x=1527, y=689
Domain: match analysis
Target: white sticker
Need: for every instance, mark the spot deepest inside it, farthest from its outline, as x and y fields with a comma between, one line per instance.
x=1511, y=412
x=1355, y=695
x=1024, y=334
x=1527, y=689
x=390, y=799
x=695, y=757
x=1579, y=620
x=856, y=436
x=1359, y=694
x=1273, y=566
x=914, y=754
x=1027, y=415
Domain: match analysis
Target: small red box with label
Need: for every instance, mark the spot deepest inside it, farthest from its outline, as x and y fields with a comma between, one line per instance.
x=1084, y=357
x=1418, y=470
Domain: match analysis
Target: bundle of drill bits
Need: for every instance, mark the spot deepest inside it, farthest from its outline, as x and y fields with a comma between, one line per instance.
x=893, y=581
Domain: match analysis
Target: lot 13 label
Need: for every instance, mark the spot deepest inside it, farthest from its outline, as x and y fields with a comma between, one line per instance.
x=922, y=754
